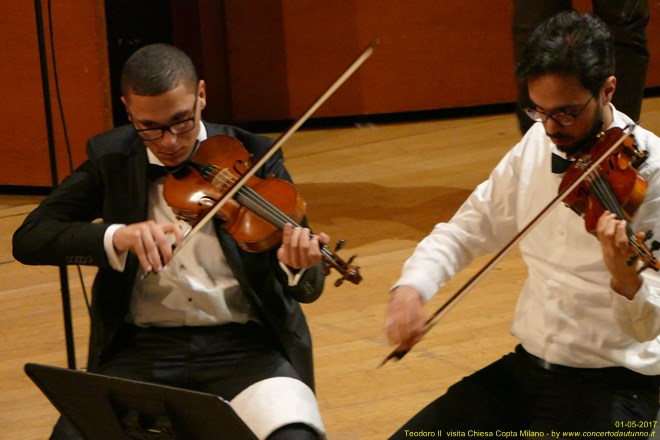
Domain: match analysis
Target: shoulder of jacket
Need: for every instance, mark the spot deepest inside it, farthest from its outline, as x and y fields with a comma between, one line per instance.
x=255, y=143
x=120, y=140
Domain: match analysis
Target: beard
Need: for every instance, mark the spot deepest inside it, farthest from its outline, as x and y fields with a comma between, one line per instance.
x=584, y=143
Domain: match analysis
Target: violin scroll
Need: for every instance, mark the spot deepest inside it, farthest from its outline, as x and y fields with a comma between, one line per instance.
x=654, y=246
x=348, y=271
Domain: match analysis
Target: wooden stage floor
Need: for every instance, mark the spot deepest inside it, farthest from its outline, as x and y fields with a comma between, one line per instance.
x=381, y=187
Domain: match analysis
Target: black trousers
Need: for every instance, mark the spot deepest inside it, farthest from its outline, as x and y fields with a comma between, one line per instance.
x=627, y=20
x=519, y=394
x=221, y=360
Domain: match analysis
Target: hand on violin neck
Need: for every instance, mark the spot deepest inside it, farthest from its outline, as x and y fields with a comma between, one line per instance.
x=152, y=243
x=618, y=254
x=300, y=249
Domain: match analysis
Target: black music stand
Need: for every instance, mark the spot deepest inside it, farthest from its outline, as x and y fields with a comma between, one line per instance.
x=103, y=407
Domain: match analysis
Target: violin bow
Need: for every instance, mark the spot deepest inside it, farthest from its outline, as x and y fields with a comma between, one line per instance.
x=460, y=293
x=278, y=144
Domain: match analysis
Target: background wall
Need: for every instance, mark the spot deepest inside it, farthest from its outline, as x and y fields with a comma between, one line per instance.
x=271, y=65
x=82, y=63
x=264, y=60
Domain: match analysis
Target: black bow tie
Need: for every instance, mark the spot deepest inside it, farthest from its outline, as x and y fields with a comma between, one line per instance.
x=155, y=172
x=560, y=164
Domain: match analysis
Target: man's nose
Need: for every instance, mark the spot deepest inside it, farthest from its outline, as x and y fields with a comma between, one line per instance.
x=552, y=126
x=168, y=139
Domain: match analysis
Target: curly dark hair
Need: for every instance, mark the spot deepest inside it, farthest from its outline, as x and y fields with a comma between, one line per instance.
x=570, y=44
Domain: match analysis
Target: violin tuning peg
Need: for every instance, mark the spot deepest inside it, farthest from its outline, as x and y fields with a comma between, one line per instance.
x=647, y=266
x=339, y=282
x=648, y=235
x=350, y=260
x=655, y=245
x=340, y=244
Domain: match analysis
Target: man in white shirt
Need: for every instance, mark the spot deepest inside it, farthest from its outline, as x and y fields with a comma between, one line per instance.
x=589, y=355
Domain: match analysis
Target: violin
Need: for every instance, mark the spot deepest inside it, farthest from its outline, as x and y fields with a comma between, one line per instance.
x=615, y=185
x=260, y=208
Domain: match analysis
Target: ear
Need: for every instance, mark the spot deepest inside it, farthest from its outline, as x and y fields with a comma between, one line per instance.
x=608, y=89
x=202, y=94
x=123, y=100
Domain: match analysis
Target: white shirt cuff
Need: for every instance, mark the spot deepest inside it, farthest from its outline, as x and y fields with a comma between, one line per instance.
x=116, y=259
x=625, y=308
x=293, y=279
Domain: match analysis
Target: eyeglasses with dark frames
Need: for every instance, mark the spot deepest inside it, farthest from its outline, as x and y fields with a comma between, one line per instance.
x=561, y=117
x=177, y=128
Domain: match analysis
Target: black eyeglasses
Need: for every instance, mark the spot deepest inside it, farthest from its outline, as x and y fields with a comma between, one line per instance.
x=561, y=117
x=181, y=127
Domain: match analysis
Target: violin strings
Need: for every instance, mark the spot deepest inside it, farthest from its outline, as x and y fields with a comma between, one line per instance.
x=609, y=201
x=607, y=198
x=253, y=200
x=256, y=203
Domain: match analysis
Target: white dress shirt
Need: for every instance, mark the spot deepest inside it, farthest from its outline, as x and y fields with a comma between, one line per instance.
x=566, y=313
x=197, y=287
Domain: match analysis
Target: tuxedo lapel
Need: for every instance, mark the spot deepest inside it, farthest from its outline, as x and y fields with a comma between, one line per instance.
x=137, y=181
x=136, y=195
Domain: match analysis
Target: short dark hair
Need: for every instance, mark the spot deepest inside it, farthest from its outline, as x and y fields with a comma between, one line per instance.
x=155, y=69
x=570, y=44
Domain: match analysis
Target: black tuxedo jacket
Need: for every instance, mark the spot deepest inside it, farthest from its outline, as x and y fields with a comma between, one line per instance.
x=112, y=185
